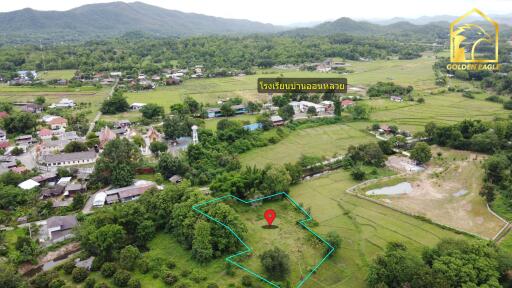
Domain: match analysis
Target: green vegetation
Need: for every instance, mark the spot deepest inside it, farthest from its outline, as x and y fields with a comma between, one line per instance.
x=324, y=141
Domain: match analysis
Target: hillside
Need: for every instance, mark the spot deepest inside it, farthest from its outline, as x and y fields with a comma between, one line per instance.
x=362, y=28
x=117, y=18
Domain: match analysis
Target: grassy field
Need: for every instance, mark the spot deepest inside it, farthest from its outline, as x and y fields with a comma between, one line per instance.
x=319, y=141
x=364, y=226
x=443, y=109
x=57, y=74
x=417, y=72
x=53, y=94
x=212, y=123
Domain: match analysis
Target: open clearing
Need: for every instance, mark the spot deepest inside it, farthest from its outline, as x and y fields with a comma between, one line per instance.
x=447, y=193
x=57, y=74
x=304, y=249
x=417, y=72
x=318, y=141
x=365, y=228
x=54, y=94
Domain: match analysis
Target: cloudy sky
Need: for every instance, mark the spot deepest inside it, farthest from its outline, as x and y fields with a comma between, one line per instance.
x=284, y=12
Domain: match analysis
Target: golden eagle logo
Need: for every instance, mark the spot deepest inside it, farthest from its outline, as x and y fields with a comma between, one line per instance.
x=466, y=38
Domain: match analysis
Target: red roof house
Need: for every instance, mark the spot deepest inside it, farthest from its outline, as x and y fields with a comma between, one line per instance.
x=346, y=103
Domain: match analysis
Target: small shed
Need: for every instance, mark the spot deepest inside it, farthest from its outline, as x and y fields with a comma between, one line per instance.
x=176, y=179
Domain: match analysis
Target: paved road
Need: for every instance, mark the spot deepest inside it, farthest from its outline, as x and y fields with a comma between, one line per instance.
x=91, y=125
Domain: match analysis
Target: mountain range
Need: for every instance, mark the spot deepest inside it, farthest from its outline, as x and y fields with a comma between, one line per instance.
x=116, y=18
x=96, y=21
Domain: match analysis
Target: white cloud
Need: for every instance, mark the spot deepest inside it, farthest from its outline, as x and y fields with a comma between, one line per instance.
x=291, y=11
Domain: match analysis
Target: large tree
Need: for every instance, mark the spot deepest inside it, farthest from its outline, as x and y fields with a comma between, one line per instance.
x=421, y=153
x=176, y=127
x=116, y=164
x=152, y=111
x=169, y=165
x=202, y=249
x=276, y=263
x=20, y=123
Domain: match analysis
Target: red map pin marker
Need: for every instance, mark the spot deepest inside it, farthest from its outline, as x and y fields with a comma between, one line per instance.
x=270, y=215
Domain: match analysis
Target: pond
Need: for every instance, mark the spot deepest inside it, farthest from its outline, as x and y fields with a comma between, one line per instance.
x=400, y=188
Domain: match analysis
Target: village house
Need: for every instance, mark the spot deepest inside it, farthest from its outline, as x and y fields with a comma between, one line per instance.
x=213, y=112
x=68, y=159
x=74, y=188
x=57, y=123
x=28, y=184
x=295, y=105
x=122, y=123
x=19, y=169
x=106, y=135
x=239, y=109
x=50, y=192
x=346, y=103
x=396, y=98
x=24, y=140
x=64, y=103
x=329, y=105
x=60, y=228
x=123, y=194
x=176, y=179
x=52, y=146
x=304, y=106
x=32, y=108
x=45, y=134
x=277, y=120
x=116, y=74
x=137, y=106
x=45, y=178
x=4, y=144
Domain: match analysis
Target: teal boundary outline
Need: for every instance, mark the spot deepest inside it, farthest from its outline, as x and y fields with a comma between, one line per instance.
x=248, y=249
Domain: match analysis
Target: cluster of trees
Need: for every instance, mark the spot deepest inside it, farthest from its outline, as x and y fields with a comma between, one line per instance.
x=371, y=154
x=251, y=181
x=148, y=55
x=473, y=135
x=388, y=89
x=117, y=103
x=451, y=263
x=117, y=163
x=107, y=233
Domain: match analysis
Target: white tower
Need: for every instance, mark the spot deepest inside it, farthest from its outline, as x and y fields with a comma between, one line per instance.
x=195, y=138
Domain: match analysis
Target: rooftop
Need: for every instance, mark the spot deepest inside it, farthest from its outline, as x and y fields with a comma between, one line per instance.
x=67, y=157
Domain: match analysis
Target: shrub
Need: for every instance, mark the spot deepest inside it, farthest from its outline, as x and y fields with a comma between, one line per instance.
x=170, y=278
x=96, y=263
x=185, y=272
x=212, y=285
x=247, y=281
x=143, y=266
x=79, y=274
x=358, y=174
x=128, y=257
x=134, y=283
x=68, y=267
x=57, y=283
x=184, y=284
x=102, y=285
x=508, y=105
x=197, y=276
x=108, y=269
x=90, y=282
x=170, y=264
x=121, y=278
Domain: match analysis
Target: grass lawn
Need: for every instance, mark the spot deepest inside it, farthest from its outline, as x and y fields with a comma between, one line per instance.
x=443, y=109
x=365, y=228
x=57, y=74
x=212, y=123
x=87, y=94
x=319, y=141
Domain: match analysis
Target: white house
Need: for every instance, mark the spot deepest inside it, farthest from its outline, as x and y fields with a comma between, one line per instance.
x=64, y=103
x=304, y=105
x=137, y=106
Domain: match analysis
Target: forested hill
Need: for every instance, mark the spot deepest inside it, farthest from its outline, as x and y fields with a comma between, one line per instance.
x=437, y=30
x=114, y=19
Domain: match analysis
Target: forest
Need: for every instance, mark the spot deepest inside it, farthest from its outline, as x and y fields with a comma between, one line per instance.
x=136, y=53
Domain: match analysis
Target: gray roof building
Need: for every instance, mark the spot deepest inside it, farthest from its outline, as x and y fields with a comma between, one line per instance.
x=66, y=159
